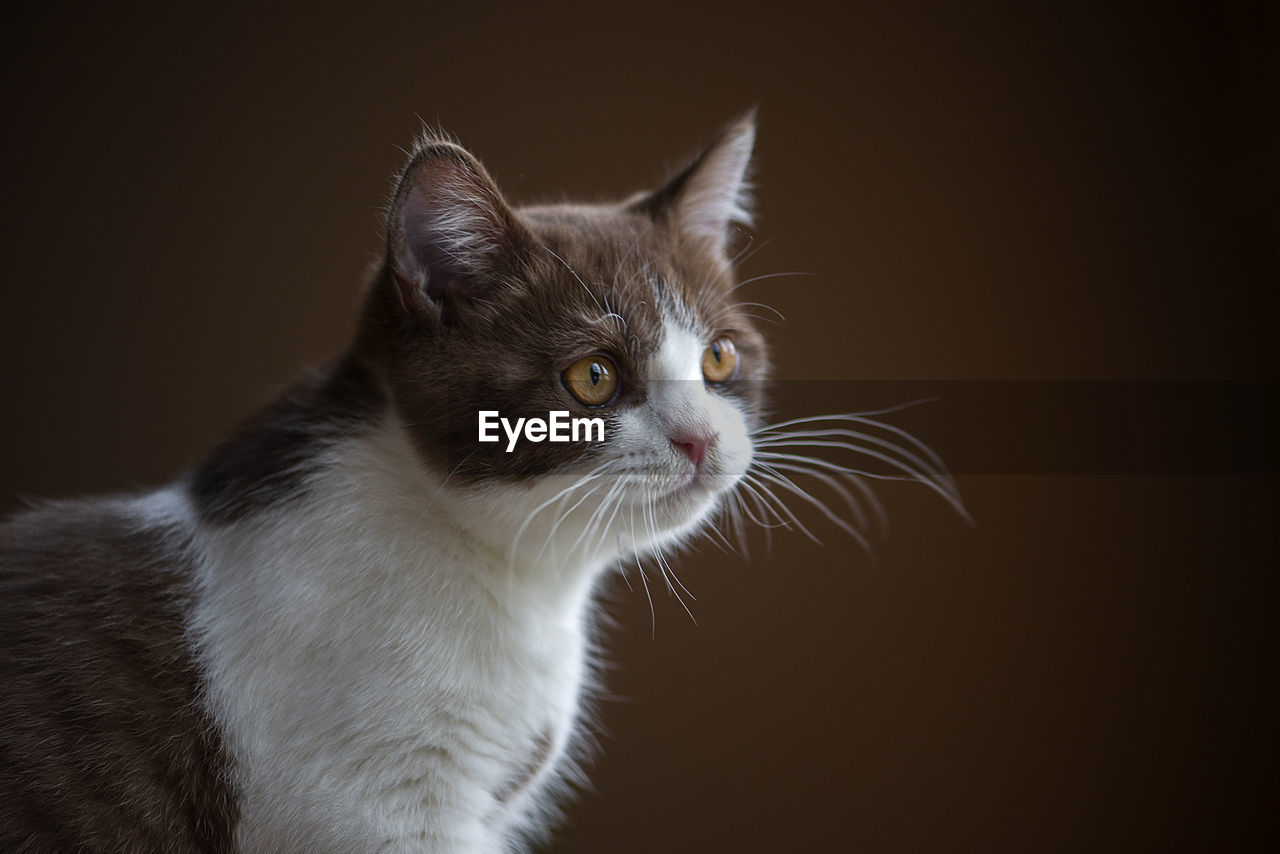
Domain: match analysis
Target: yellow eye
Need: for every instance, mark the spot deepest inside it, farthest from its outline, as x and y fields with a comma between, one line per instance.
x=719, y=361
x=592, y=380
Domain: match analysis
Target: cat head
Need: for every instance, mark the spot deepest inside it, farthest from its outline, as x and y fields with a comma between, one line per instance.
x=622, y=312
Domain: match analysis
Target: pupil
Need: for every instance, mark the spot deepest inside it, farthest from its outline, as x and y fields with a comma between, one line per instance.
x=595, y=373
x=715, y=350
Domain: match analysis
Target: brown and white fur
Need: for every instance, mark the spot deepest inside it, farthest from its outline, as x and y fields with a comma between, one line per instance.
x=352, y=627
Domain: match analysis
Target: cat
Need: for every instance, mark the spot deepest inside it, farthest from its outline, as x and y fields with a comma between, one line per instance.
x=355, y=626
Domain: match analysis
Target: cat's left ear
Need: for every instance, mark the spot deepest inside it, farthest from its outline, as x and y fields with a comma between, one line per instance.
x=712, y=194
x=451, y=235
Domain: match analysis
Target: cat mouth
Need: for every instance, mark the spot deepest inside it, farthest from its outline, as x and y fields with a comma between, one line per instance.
x=696, y=485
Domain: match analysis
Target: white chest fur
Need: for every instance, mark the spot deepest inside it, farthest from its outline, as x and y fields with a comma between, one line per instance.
x=383, y=680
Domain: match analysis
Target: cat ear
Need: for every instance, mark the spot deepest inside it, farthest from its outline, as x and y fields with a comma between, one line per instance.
x=712, y=193
x=450, y=233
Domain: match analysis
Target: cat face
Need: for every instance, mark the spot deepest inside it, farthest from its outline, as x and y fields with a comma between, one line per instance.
x=622, y=312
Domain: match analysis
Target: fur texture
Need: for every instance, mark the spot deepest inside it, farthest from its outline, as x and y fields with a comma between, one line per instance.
x=353, y=627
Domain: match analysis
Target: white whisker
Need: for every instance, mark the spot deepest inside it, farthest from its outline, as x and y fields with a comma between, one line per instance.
x=953, y=501
x=574, y=272
x=939, y=482
x=588, y=477
x=785, y=439
x=790, y=485
x=855, y=506
x=861, y=418
x=745, y=282
x=653, y=615
x=763, y=487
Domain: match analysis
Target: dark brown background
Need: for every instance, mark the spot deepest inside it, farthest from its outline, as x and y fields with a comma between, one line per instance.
x=191, y=199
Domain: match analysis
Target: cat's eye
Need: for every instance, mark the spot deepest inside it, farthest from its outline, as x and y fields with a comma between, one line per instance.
x=719, y=361
x=592, y=380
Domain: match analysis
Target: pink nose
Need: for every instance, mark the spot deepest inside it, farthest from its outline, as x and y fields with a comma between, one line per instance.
x=694, y=445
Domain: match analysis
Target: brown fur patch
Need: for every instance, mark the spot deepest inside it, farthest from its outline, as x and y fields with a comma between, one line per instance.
x=105, y=745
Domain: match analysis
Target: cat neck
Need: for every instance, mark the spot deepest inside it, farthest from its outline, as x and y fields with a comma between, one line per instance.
x=327, y=479
x=380, y=476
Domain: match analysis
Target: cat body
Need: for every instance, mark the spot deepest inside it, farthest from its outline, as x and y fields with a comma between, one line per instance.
x=420, y=690
x=353, y=627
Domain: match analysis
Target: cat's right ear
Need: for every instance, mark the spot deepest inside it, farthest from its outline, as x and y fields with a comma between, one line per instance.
x=450, y=234
x=712, y=194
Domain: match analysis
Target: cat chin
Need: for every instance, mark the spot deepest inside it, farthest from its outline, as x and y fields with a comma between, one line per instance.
x=682, y=510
